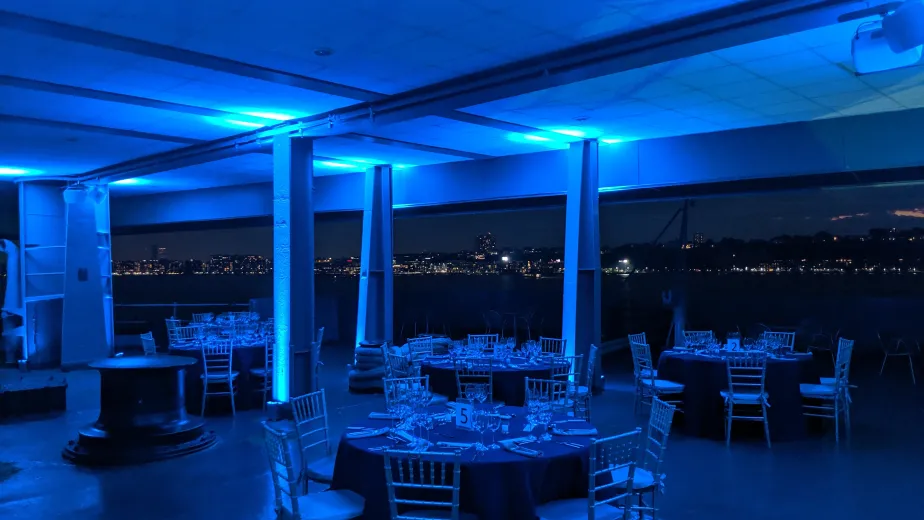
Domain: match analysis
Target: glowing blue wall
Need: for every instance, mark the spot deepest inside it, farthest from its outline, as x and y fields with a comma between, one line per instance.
x=877, y=141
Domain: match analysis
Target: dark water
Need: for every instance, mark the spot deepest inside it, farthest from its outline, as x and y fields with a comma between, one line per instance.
x=860, y=305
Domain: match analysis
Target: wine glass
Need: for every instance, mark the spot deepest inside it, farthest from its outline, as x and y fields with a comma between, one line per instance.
x=481, y=394
x=494, y=424
x=544, y=416
x=471, y=392
x=532, y=403
x=480, y=423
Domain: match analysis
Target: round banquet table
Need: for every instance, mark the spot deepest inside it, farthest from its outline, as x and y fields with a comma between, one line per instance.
x=243, y=358
x=509, y=386
x=497, y=485
x=704, y=409
x=142, y=415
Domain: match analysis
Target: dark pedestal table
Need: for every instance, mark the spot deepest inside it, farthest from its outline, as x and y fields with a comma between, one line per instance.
x=142, y=414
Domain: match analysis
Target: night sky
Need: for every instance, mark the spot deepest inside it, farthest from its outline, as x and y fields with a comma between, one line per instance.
x=838, y=211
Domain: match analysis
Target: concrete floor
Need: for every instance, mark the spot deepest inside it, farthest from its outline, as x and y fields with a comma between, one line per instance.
x=880, y=474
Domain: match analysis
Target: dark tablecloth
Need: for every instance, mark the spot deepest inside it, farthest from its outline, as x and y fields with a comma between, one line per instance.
x=704, y=409
x=509, y=386
x=249, y=389
x=498, y=485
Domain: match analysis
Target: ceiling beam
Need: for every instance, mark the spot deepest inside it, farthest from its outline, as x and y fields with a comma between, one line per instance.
x=115, y=42
x=92, y=37
x=415, y=146
x=100, y=95
x=737, y=24
x=79, y=127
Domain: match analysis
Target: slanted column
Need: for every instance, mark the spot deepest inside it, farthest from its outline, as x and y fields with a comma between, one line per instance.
x=375, y=321
x=581, y=305
x=87, y=329
x=295, y=355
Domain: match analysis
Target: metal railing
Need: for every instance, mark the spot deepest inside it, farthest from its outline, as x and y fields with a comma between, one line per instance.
x=175, y=306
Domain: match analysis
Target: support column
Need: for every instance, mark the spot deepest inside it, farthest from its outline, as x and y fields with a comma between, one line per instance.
x=87, y=326
x=581, y=305
x=375, y=320
x=42, y=231
x=679, y=290
x=295, y=353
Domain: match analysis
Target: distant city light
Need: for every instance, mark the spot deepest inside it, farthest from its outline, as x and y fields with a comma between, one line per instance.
x=624, y=261
x=505, y=259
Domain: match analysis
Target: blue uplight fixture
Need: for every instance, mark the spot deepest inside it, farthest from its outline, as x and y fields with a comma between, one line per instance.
x=537, y=138
x=334, y=164
x=16, y=171
x=570, y=132
x=270, y=115
x=131, y=182
x=245, y=124
x=612, y=140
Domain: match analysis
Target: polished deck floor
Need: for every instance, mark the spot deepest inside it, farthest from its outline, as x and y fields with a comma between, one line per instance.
x=880, y=474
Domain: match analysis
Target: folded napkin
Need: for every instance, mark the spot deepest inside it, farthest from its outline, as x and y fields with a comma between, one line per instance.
x=575, y=431
x=514, y=446
x=381, y=415
x=411, y=439
x=362, y=434
x=459, y=445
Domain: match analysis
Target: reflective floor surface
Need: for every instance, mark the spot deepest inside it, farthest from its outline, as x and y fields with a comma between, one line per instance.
x=880, y=474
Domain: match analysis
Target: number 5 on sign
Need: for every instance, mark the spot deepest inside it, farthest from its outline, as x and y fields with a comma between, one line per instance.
x=464, y=412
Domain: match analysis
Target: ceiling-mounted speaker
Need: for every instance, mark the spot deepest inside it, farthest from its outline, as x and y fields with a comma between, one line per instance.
x=903, y=28
x=872, y=53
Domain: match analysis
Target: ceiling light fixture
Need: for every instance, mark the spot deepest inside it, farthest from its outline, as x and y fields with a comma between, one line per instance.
x=611, y=140
x=572, y=133
x=333, y=164
x=248, y=124
x=530, y=137
x=11, y=170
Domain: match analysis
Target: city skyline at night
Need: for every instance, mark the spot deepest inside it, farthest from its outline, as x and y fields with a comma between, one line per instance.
x=839, y=212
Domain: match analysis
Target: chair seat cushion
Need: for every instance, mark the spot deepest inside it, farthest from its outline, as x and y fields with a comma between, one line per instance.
x=827, y=381
x=581, y=391
x=745, y=397
x=220, y=376
x=643, y=482
x=438, y=513
x=331, y=505
x=649, y=372
x=817, y=390
x=663, y=385
x=259, y=372
x=321, y=470
x=576, y=509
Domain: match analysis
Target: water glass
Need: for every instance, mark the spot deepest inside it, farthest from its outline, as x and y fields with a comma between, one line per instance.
x=544, y=417
x=481, y=393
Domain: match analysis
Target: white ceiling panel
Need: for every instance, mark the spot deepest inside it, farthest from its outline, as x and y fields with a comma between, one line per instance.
x=57, y=107
x=55, y=151
x=246, y=169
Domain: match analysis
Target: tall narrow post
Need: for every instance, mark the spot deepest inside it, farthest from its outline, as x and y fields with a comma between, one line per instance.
x=374, y=321
x=295, y=354
x=581, y=305
x=87, y=330
x=679, y=291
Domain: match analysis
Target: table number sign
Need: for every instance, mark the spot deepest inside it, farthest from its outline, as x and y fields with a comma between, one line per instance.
x=464, y=415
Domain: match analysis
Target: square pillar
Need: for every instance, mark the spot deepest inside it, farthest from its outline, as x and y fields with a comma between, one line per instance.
x=581, y=305
x=295, y=353
x=375, y=320
x=87, y=321
x=37, y=317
